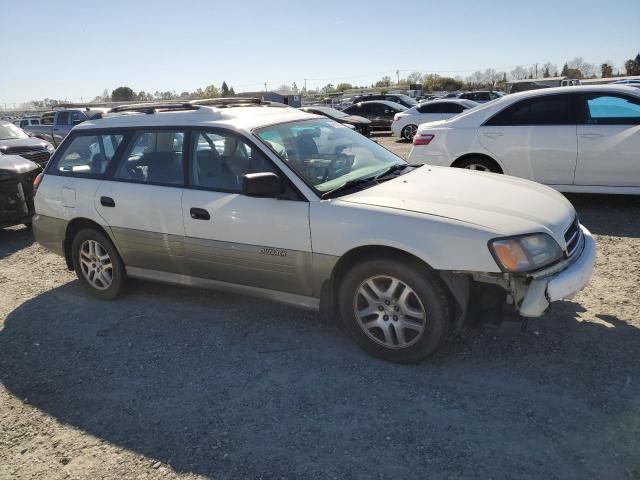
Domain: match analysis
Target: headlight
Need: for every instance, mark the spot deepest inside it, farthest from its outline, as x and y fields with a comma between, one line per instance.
x=50, y=148
x=525, y=253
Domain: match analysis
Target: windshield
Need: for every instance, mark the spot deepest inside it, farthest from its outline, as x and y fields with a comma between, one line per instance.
x=406, y=99
x=326, y=154
x=9, y=131
x=329, y=112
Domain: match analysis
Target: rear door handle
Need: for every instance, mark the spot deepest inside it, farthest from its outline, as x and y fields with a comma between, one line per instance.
x=493, y=134
x=199, y=214
x=592, y=135
x=107, y=202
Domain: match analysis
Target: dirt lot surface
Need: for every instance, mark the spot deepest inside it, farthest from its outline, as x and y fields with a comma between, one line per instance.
x=170, y=382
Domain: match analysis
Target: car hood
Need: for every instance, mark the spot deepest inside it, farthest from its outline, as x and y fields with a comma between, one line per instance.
x=354, y=119
x=16, y=164
x=35, y=143
x=505, y=205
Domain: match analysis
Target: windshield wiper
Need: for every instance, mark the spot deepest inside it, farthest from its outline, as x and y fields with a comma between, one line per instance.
x=393, y=168
x=347, y=185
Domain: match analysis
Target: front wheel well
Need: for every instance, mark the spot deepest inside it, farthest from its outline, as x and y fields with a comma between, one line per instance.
x=330, y=290
x=74, y=226
x=458, y=161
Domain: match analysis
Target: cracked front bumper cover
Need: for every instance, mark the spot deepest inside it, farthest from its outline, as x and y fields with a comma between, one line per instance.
x=561, y=285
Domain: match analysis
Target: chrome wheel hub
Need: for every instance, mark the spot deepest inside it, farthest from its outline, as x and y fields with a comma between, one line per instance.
x=478, y=167
x=389, y=312
x=96, y=265
x=410, y=132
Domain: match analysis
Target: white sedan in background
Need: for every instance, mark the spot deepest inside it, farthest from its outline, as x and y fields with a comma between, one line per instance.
x=405, y=124
x=574, y=139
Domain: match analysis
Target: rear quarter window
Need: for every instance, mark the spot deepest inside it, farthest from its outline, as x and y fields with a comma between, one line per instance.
x=87, y=155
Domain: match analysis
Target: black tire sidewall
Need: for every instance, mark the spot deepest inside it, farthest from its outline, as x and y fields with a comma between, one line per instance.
x=119, y=274
x=432, y=295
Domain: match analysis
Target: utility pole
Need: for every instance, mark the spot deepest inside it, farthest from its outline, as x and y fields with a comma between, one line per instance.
x=265, y=86
x=398, y=76
x=536, y=70
x=305, y=86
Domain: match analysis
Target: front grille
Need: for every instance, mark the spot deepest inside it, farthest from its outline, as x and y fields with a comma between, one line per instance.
x=572, y=237
x=37, y=156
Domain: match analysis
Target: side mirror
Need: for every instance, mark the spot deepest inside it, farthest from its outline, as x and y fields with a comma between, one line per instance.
x=77, y=121
x=30, y=134
x=263, y=184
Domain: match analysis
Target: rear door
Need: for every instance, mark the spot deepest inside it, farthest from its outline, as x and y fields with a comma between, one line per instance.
x=429, y=112
x=609, y=140
x=535, y=138
x=141, y=201
x=234, y=238
x=62, y=126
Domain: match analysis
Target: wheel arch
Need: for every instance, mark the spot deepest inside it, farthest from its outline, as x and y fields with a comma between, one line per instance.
x=76, y=225
x=461, y=158
x=330, y=289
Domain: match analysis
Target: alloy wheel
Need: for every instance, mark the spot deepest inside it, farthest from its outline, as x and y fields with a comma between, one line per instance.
x=96, y=264
x=389, y=311
x=410, y=132
x=478, y=167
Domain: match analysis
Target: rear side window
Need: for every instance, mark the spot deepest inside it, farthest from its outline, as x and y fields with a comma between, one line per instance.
x=154, y=157
x=603, y=109
x=428, y=108
x=88, y=155
x=63, y=118
x=546, y=110
x=451, y=108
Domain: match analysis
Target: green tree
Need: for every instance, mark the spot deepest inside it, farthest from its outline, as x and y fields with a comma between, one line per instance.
x=384, y=82
x=632, y=66
x=606, y=70
x=341, y=87
x=224, y=89
x=122, y=94
x=565, y=70
x=231, y=91
x=211, y=92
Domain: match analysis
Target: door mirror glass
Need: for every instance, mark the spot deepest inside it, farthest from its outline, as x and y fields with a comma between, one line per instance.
x=263, y=184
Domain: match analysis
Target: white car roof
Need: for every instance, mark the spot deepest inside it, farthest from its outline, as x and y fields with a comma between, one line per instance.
x=239, y=118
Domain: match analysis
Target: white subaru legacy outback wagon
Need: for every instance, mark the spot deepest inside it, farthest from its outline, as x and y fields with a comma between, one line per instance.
x=282, y=204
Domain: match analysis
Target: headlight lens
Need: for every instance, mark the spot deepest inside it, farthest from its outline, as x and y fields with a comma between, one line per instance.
x=526, y=252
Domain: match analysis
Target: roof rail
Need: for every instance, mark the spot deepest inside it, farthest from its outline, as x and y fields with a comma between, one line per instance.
x=153, y=107
x=230, y=101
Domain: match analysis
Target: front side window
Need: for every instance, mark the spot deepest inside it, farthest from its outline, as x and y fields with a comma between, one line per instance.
x=219, y=160
x=545, y=110
x=154, y=157
x=63, y=118
x=603, y=109
x=326, y=154
x=88, y=154
x=77, y=117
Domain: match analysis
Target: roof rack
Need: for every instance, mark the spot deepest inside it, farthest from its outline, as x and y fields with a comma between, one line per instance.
x=154, y=107
x=229, y=102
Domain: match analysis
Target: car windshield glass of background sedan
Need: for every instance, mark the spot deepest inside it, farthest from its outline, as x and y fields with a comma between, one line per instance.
x=9, y=131
x=326, y=154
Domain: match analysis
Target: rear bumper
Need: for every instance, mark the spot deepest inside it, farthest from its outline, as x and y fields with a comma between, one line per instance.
x=562, y=285
x=50, y=232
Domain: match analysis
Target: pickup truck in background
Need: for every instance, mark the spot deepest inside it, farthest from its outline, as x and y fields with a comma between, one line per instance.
x=56, y=125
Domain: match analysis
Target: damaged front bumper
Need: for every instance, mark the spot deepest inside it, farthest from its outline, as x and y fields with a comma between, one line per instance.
x=554, y=285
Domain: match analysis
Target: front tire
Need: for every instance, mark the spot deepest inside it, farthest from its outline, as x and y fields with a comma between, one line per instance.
x=393, y=310
x=97, y=264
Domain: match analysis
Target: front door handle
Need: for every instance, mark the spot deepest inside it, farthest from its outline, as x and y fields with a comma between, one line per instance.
x=493, y=134
x=199, y=214
x=591, y=135
x=107, y=202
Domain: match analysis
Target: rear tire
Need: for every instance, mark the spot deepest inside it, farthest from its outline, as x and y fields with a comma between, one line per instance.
x=97, y=264
x=480, y=164
x=393, y=310
x=409, y=132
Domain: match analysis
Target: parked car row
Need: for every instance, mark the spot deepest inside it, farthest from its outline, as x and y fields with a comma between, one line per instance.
x=405, y=124
x=290, y=206
x=575, y=139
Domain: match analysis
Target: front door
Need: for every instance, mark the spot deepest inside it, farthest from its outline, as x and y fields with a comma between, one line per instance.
x=609, y=140
x=231, y=237
x=535, y=139
x=142, y=201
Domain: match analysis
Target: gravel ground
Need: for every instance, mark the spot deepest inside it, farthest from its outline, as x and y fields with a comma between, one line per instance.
x=171, y=382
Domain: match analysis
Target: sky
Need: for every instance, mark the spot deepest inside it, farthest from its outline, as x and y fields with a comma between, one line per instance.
x=75, y=50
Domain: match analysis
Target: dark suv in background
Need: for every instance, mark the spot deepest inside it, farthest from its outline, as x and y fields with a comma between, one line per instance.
x=380, y=112
x=481, y=96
